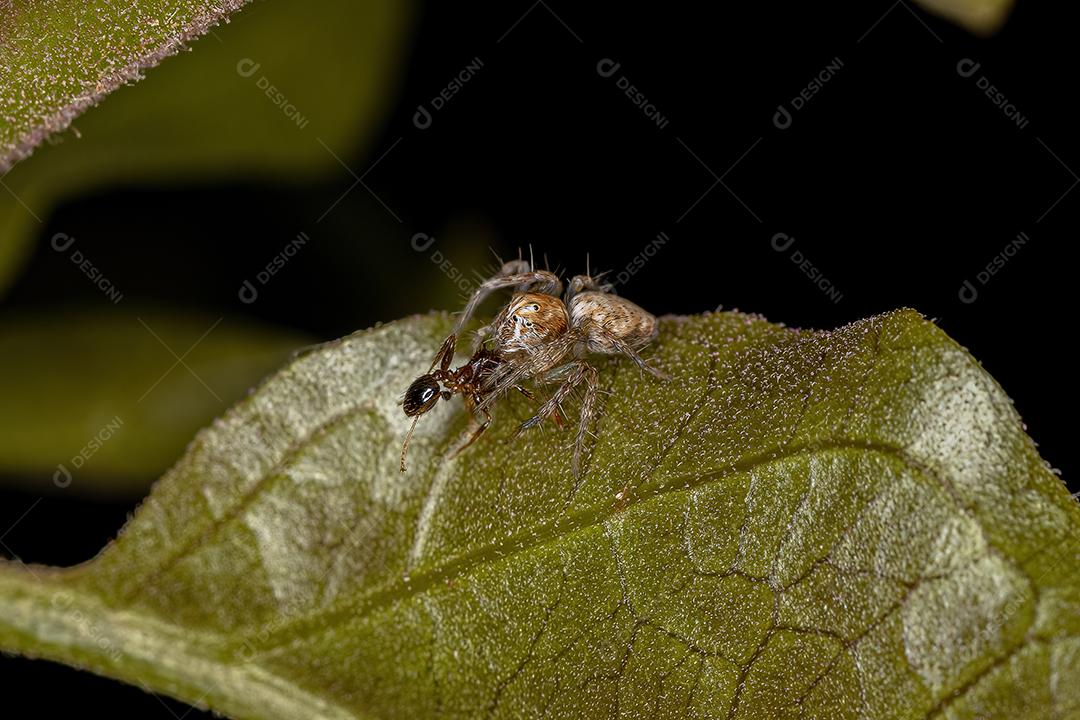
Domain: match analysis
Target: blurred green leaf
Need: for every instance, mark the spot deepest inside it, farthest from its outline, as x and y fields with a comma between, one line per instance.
x=979, y=16
x=267, y=97
x=95, y=402
x=13, y=256
x=846, y=524
x=62, y=56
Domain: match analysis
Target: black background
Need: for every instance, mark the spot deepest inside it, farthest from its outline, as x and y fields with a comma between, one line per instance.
x=899, y=180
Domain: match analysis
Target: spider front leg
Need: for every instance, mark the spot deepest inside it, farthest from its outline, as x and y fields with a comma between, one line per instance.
x=480, y=336
x=579, y=371
x=514, y=274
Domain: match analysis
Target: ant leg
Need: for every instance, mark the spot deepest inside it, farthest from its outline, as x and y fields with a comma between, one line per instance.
x=476, y=433
x=445, y=356
x=578, y=371
x=588, y=413
x=514, y=274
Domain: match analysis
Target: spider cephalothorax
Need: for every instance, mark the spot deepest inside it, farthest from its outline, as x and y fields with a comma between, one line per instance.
x=529, y=321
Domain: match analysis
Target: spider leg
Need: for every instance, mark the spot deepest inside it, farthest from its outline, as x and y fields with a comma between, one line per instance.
x=513, y=371
x=578, y=370
x=588, y=413
x=587, y=283
x=481, y=335
x=554, y=416
x=624, y=348
x=514, y=274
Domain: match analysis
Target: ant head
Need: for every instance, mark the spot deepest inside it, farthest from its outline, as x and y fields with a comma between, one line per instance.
x=421, y=396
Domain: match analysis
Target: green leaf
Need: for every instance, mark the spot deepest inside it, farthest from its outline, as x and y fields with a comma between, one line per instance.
x=61, y=57
x=321, y=77
x=812, y=524
x=96, y=401
x=13, y=256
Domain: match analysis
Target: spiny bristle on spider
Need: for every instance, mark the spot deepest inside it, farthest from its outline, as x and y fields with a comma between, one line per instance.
x=531, y=340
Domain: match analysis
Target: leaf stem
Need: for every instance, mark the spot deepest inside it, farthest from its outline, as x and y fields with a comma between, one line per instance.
x=43, y=614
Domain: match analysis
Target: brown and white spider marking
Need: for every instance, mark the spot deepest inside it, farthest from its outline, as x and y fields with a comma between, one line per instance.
x=543, y=337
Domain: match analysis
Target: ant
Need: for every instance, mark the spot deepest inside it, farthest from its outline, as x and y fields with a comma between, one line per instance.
x=468, y=381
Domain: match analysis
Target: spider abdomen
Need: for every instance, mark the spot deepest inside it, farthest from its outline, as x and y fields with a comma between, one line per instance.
x=607, y=320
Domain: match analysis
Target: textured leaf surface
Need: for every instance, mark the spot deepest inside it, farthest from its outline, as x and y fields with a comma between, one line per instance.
x=322, y=70
x=62, y=56
x=103, y=395
x=846, y=524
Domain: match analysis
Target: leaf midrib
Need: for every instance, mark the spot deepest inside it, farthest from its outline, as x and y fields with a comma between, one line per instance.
x=324, y=620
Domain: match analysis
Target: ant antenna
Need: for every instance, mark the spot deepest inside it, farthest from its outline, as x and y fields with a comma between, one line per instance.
x=405, y=445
